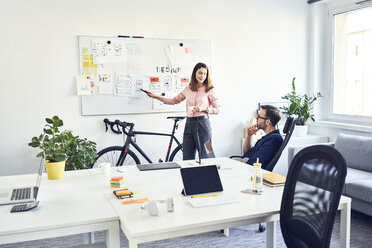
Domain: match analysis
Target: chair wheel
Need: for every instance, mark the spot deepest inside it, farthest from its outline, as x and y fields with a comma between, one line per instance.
x=261, y=228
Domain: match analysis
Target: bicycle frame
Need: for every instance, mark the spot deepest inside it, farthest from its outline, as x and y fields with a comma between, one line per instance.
x=129, y=141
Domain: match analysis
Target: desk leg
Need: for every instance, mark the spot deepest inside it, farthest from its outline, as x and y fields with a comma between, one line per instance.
x=271, y=234
x=345, y=225
x=112, y=235
x=133, y=243
x=88, y=238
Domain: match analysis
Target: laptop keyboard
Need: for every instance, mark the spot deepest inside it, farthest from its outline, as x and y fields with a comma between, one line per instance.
x=20, y=194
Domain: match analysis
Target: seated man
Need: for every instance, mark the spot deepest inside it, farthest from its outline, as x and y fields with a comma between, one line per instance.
x=266, y=148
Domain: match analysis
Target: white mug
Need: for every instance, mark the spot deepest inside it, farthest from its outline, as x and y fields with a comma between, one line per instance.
x=190, y=108
x=105, y=167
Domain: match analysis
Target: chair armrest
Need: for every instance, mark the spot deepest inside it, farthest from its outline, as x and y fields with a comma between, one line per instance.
x=293, y=150
x=236, y=156
x=239, y=158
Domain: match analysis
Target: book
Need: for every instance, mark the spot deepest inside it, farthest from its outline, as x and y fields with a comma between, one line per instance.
x=274, y=178
x=273, y=184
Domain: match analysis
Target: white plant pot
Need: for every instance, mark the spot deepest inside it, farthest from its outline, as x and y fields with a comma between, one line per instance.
x=300, y=131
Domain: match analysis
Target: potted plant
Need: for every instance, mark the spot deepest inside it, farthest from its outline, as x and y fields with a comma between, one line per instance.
x=62, y=150
x=300, y=105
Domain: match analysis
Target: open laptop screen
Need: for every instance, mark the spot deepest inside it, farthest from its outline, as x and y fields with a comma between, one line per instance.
x=201, y=179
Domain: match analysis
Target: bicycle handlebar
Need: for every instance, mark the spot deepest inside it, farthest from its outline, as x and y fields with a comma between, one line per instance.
x=118, y=124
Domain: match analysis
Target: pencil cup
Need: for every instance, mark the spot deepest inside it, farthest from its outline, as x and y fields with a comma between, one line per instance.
x=105, y=167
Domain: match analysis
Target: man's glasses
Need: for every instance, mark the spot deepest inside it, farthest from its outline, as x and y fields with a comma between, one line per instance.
x=260, y=117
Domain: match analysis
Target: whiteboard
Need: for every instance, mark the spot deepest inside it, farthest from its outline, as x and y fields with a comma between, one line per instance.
x=119, y=67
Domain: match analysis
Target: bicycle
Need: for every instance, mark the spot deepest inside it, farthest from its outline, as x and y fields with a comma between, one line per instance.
x=123, y=155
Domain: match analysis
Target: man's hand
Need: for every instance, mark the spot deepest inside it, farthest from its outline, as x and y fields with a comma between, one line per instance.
x=252, y=130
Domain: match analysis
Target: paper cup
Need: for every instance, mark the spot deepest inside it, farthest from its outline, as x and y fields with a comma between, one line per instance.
x=105, y=167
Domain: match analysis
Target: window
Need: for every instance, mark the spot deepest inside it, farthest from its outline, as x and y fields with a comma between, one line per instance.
x=352, y=64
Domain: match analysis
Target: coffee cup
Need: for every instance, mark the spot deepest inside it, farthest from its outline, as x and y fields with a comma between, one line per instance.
x=190, y=108
x=105, y=167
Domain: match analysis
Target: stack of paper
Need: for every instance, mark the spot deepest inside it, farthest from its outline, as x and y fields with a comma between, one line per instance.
x=273, y=179
x=117, y=182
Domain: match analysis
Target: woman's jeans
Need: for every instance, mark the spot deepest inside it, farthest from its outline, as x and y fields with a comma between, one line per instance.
x=197, y=132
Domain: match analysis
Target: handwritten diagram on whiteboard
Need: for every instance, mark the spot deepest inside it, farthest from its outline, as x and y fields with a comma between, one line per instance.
x=117, y=68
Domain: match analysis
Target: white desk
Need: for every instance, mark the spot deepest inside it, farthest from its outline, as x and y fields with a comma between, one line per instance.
x=69, y=206
x=140, y=227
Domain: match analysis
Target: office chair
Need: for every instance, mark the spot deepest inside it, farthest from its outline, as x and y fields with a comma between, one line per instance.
x=311, y=196
x=287, y=130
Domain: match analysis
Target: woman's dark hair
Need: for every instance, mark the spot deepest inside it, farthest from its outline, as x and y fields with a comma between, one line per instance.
x=272, y=113
x=207, y=82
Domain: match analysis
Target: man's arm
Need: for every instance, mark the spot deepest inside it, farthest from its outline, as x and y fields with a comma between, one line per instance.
x=247, y=143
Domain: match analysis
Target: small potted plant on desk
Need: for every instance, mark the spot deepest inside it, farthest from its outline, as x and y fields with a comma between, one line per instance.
x=300, y=105
x=62, y=150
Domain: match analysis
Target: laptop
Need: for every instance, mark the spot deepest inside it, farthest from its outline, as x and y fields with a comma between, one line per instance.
x=21, y=195
x=159, y=166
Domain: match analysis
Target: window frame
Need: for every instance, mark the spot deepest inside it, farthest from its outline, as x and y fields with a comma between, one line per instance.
x=339, y=8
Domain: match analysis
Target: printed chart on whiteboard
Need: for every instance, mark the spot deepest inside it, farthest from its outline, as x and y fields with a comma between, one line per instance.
x=114, y=70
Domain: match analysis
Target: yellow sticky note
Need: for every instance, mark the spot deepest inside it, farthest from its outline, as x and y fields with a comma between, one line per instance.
x=86, y=57
x=85, y=64
x=85, y=50
x=86, y=71
x=92, y=65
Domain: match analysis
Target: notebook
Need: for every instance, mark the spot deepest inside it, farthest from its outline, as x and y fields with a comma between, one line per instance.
x=159, y=166
x=274, y=178
x=22, y=194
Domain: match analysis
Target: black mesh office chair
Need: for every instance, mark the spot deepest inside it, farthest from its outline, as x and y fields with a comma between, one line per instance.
x=311, y=196
x=287, y=130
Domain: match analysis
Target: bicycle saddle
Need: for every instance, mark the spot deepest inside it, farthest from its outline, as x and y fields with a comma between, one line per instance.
x=176, y=118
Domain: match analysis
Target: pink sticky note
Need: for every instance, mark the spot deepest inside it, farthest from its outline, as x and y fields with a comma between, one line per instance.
x=189, y=50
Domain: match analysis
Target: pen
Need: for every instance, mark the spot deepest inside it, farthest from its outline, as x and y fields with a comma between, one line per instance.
x=141, y=37
x=199, y=196
x=143, y=90
x=123, y=36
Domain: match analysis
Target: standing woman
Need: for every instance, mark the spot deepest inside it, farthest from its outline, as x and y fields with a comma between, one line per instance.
x=200, y=101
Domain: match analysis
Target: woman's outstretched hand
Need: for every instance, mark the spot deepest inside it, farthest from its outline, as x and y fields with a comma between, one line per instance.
x=150, y=94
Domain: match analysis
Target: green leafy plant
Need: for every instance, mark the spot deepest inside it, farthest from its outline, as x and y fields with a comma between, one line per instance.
x=58, y=146
x=300, y=105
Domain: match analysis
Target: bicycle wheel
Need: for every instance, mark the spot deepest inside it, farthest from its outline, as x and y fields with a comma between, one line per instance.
x=112, y=155
x=177, y=154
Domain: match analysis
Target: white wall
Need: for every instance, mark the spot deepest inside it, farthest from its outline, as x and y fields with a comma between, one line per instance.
x=257, y=47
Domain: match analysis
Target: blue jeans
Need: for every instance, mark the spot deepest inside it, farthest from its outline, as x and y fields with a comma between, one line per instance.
x=196, y=129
